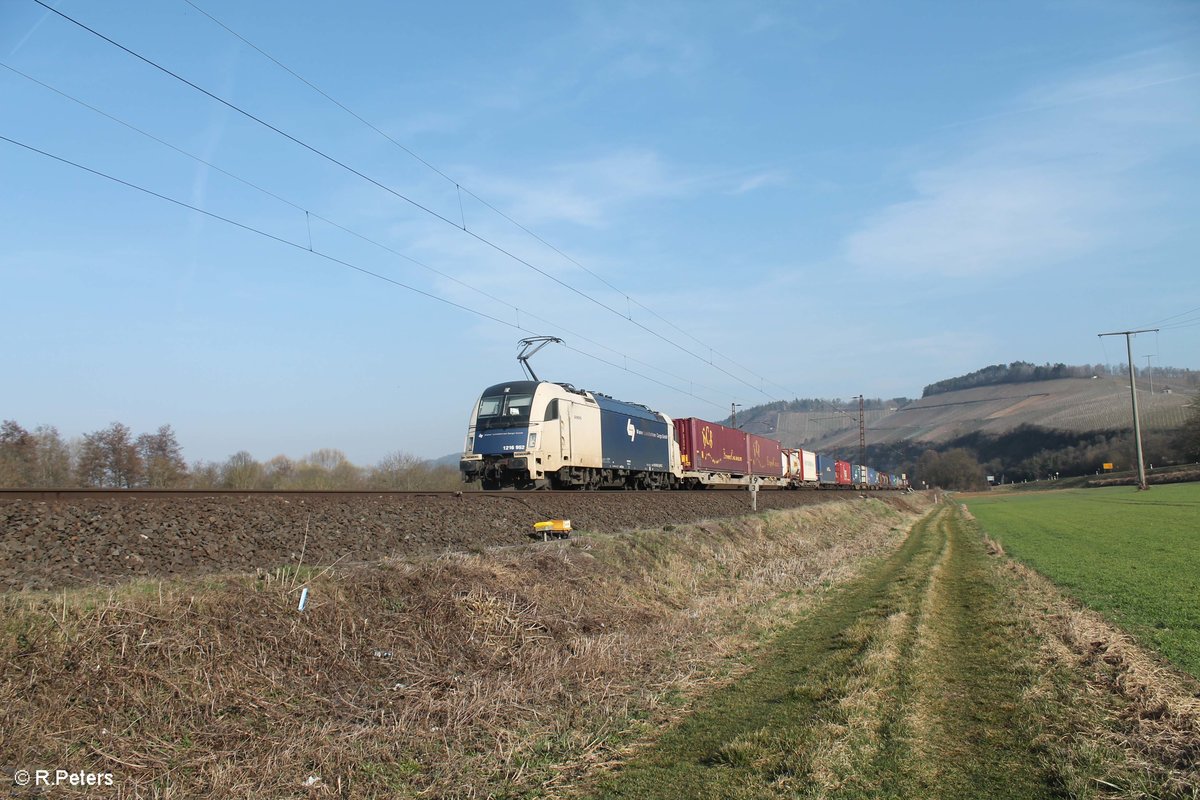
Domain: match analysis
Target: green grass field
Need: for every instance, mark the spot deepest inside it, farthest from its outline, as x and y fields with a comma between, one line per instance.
x=1133, y=556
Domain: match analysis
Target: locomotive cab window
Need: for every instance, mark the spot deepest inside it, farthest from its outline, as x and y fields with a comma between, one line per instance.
x=551, y=410
x=490, y=406
x=508, y=407
x=516, y=406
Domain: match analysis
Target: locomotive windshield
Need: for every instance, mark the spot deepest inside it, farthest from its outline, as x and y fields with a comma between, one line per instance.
x=505, y=409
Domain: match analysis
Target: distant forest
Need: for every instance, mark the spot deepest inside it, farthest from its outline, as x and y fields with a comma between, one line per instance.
x=1025, y=372
x=821, y=404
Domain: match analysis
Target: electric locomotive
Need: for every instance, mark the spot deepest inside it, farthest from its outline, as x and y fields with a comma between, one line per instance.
x=530, y=434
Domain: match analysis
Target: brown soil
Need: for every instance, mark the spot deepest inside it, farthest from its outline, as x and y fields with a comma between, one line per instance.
x=50, y=545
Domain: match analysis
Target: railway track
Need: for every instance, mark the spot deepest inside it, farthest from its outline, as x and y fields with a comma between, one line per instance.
x=159, y=494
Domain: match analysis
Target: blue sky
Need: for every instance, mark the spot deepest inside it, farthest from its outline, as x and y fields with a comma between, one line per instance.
x=821, y=199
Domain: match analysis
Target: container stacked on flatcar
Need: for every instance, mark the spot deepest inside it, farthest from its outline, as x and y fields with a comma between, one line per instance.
x=708, y=447
x=826, y=471
x=711, y=453
x=764, y=456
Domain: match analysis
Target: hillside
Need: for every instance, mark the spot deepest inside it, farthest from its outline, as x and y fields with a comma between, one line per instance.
x=1076, y=405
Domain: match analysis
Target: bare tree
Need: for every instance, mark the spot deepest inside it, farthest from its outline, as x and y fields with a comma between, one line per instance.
x=110, y=457
x=163, y=458
x=53, y=467
x=327, y=469
x=18, y=454
x=204, y=475
x=241, y=471
x=956, y=469
x=279, y=472
x=400, y=471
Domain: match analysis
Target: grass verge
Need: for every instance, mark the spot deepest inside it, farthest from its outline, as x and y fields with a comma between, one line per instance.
x=504, y=673
x=1132, y=556
x=944, y=670
x=907, y=682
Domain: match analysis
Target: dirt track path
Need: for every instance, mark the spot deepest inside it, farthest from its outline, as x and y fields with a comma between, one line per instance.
x=907, y=683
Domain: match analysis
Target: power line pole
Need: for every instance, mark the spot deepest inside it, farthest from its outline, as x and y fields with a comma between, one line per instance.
x=862, y=432
x=1137, y=425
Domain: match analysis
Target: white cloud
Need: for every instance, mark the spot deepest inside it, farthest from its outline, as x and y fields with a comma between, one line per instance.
x=759, y=181
x=586, y=192
x=966, y=221
x=1051, y=181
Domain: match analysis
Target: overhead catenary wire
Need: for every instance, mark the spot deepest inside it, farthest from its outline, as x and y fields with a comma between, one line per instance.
x=362, y=237
x=333, y=259
x=316, y=151
x=460, y=189
x=1175, y=316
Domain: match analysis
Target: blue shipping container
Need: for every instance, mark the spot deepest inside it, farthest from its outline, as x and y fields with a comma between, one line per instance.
x=858, y=474
x=632, y=437
x=872, y=476
x=826, y=469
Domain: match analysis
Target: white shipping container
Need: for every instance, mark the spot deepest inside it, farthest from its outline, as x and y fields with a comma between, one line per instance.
x=808, y=466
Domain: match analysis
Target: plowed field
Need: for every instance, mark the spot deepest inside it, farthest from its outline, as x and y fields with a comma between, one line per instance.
x=48, y=545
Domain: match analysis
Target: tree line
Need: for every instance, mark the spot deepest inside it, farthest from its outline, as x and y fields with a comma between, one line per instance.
x=1025, y=372
x=1016, y=372
x=114, y=457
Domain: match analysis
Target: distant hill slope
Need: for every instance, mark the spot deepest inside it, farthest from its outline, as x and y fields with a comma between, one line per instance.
x=1068, y=404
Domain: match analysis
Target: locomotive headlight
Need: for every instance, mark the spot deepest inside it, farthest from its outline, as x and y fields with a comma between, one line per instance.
x=532, y=441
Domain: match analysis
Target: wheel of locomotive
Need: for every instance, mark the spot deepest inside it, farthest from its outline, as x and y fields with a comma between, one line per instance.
x=489, y=485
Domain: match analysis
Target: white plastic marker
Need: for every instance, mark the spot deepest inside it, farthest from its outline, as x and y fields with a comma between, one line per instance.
x=303, y=599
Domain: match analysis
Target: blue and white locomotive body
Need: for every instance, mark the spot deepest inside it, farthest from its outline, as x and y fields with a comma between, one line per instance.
x=633, y=437
x=537, y=434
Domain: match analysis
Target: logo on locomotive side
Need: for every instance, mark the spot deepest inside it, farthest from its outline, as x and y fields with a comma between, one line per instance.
x=629, y=429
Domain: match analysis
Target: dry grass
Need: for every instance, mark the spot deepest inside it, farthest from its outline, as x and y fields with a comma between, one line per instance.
x=1129, y=712
x=845, y=747
x=467, y=675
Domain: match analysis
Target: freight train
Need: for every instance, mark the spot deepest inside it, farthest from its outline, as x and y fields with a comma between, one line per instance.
x=532, y=434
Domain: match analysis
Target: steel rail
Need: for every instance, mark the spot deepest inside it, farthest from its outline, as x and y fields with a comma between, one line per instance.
x=163, y=494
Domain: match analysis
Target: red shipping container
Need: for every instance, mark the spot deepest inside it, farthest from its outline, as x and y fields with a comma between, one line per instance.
x=708, y=446
x=842, y=471
x=765, y=456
